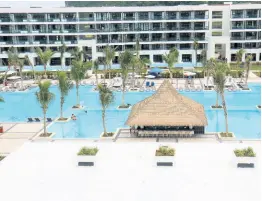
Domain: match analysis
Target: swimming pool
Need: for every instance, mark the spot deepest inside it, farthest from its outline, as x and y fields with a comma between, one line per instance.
x=244, y=118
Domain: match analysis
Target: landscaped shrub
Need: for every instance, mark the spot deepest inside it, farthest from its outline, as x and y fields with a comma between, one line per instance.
x=2, y=157
x=85, y=151
x=248, y=152
x=165, y=75
x=165, y=151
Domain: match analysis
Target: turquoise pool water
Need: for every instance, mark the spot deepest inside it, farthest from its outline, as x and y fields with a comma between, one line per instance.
x=244, y=119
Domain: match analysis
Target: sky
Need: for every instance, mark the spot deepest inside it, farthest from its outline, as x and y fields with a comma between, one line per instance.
x=19, y=4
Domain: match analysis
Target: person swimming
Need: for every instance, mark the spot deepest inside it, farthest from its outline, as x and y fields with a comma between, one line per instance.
x=73, y=117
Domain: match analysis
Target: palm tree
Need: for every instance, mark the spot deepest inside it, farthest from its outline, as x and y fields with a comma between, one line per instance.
x=247, y=64
x=12, y=60
x=220, y=87
x=44, y=97
x=196, y=46
x=78, y=71
x=125, y=63
x=209, y=67
x=203, y=57
x=171, y=58
x=106, y=98
x=64, y=85
x=21, y=66
x=218, y=68
x=62, y=49
x=109, y=54
x=77, y=54
x=239, y=55
x=96, y=68
x=2, y=99
x=44, y=56
x=30, y=64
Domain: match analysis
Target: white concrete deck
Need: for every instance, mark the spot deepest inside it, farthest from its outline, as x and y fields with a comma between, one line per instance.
x=47, y=171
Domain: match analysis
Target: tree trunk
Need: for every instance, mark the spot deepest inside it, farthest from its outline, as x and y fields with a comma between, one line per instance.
x=44, y=111
x=45, y=70
x=247, y=73
x=109, y=72
x=225, y=111
x=207, y=78
x=105, y=73
x=6, y=74
x=103, y=119
x=171, y=75
x=96, y=78
x=61, y=106
x=196, y=57
x=33, y=69
x=133, y=77
x=21, y=75
x=217, y=99
x=123, y=93
x=77, y=94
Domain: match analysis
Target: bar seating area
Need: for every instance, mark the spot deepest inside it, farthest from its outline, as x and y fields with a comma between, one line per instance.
x=167, y=114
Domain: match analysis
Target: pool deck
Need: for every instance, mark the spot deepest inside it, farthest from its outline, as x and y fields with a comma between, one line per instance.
x=48, y=171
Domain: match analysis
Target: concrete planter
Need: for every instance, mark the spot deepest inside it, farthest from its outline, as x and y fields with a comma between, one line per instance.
x=63, y=121
x=86, y=160
x=164, y=160
x=109, y=138
x=245, y=161
x=118, y=108
x=226, y=138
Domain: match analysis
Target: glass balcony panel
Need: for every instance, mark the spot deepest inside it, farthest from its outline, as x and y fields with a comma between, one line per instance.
x=171, y=15
x=185, y=15
x=129, y=16
x=20, y=17
x=143, y=16
x=115, y=16
x=237, y=14
x=38, y=18
x=69, y=17
x=5, y=18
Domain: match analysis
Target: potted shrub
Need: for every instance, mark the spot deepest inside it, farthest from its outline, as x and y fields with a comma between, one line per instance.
x=87, y=156
x=245, y=157
x=165, y=156
x=1, y=157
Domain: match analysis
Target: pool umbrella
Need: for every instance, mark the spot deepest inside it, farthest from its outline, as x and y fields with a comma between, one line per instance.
x=14, y=78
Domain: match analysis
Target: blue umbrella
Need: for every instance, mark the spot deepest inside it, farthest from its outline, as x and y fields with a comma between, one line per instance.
x=155, y=70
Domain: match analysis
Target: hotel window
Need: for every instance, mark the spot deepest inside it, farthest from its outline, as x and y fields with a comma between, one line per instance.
x=216, y=25
x=186, y=58
x=158, y=58
x=217, y=33
x=236, y=45
x=233, y=57
x=217, y=14
x=237, y=13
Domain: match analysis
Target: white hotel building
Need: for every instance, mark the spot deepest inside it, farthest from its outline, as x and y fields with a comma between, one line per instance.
x=220, y=29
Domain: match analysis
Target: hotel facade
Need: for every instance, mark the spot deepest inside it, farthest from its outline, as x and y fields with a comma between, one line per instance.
x=219, y=29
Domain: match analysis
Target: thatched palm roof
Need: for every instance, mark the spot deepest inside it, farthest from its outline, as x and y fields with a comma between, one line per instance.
x=167, y=108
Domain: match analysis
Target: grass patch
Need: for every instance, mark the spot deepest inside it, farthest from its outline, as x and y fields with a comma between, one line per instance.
x=248, y=152
x=226, y=134
x=217, y=106
x=45, y=134
x=124, y=106
x=108, y=134
x=165, y=151
x=2, y=157
x=257, y=74
x=62, y=119
x=85, y=151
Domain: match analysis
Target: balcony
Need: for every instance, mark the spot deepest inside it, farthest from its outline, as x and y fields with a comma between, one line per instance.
x=57, y=42
x=68, y=42
x=158, y=39
x=199, y=38
x=252, y=27
x=238, y=27
x=185, y=28
x=237, y=38
x=38, y=42
x=102, y=41
x=201, y=17
x=251, y=38
x=5, y=31
x=129, y=18
x=22, y=31
x=116, y=41
x=185, y=17
x=5, y=20
x=171, y=39
x=86, y=19
x=129, y=40
x=200, y=28
x=2, y=42
x=234, y=16
x=157, y=18
x=143, y=17
x=54, y=31
x=251, y=15
x=69, y=31
x=144, y=39
x=185, y=39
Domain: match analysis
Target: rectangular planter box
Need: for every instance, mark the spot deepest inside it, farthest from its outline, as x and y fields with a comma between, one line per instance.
x=245, y=161
x=164, y=160
x=86, y=160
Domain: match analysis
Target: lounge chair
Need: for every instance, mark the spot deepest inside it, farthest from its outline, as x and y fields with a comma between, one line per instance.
x=152, y=84
x=30, y=119
x=49, y=119
x=37, y=119
x=147, y=84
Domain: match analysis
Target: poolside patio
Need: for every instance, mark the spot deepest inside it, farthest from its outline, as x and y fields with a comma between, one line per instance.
x=47, y=171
